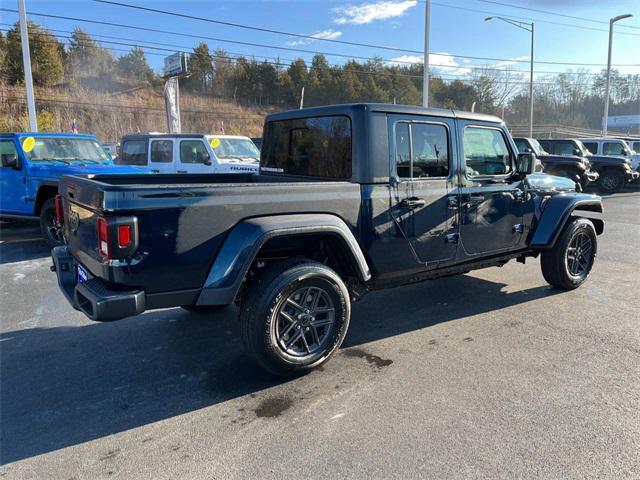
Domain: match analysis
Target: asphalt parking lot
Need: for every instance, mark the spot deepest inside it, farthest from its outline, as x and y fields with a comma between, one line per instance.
x=486, y=375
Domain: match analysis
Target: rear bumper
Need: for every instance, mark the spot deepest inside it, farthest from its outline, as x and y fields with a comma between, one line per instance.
x=92, y=297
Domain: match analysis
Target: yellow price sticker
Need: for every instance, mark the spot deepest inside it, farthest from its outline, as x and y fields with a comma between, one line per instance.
x=28, y=144
x=215, y=142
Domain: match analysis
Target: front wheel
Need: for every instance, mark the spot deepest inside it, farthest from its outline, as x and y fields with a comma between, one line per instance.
x=295, y=317
x=51, y=230
x=611, y=181
x=568, y=264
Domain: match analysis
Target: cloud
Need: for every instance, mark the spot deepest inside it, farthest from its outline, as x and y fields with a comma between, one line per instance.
x=442, y=62
x=370, y=12
x=322, y=35
x=511, y=61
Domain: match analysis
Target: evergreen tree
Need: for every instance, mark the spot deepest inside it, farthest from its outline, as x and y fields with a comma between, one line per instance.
x=134, y=65
x=85, y=57
x=201, y=69
x=46, y=61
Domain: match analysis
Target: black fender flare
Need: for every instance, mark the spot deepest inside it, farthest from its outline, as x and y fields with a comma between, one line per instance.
x=557, y=211
x=245, y=240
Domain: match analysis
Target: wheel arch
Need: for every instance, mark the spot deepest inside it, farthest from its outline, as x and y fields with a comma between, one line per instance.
x=272, y=235
x=45, y=192
x=558, y=211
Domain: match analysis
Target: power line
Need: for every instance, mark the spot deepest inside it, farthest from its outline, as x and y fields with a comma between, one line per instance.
x=279, y=32
x=557, y=14
x=138, y=43
x=334, y=68
x=315, y=52
x=538, y=20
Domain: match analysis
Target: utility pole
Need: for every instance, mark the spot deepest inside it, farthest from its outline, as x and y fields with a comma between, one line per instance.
x=26, y=61
x=425, y=73
x=606, y=93
x=302, y=99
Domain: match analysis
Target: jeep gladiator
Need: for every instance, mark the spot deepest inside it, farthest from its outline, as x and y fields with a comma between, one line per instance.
x=350, y=199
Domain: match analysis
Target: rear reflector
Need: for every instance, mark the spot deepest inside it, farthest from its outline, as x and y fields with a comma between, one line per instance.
x=59, y=212
x=124, y=235
x=103, y=237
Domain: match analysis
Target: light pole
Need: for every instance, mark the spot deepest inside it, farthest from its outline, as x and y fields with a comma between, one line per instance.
x=425, y=73
x=606, y=93
x=529, y=27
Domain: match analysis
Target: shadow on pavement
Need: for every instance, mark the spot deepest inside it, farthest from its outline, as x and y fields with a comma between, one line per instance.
x=67, y=385
x=20, y=241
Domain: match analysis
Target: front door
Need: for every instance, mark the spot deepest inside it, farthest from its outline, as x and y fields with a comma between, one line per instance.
x=492, y=198
x=13, y=189
x=194, y=157
x=424, y=186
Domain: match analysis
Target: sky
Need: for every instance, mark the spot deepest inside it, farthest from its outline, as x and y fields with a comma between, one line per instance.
x=457, y=30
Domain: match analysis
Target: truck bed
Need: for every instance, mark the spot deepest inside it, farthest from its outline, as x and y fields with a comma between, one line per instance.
x=183, y=219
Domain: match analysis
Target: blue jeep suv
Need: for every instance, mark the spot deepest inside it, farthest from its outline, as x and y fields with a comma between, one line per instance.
x=32, y=164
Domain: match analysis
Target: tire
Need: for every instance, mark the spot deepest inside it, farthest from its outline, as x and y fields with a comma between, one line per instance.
x=294, y=317
x=611, y=181
x=559, y=265
x=203, y=309
x=52, y=234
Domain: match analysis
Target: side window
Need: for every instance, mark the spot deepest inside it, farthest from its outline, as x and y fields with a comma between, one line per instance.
x=564, y=148
x=7, y=151
x=591, y=146
x=522, y=145
x=193, y=151
x=612, y=148
x=403, y=151
x=547, y=146
x=422, y=150
x=162, y=151
x=134, y=152
x=485, y=152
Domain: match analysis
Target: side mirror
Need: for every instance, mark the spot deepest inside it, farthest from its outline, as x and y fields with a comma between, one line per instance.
x=208, y=163
x=577, y=152
x=525, y=163
x=10, y=160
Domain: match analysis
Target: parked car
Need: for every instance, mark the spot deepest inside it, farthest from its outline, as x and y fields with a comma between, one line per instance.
x=32, y=164
x=612, y=147
x=634, y=145
x=350, y=199
x=112, y=148
x=190, y=153
x=257, y=141
x=574, y=167
x=614, y=172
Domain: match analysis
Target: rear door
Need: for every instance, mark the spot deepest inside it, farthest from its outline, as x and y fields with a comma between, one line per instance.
x=193, y=156
x=162, y=155
x=491, y=197
x=424, y=186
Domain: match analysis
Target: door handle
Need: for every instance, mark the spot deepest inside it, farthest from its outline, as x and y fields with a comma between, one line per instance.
x=413, y=202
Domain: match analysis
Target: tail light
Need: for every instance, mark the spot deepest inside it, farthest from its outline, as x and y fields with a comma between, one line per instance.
x=117, y=236
x=59, y=211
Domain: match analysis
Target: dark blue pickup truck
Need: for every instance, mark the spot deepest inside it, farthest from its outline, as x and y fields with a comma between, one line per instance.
x=32, y=164
x=349, y=199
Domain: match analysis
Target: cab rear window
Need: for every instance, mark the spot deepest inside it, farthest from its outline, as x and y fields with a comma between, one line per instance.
x=311, y=147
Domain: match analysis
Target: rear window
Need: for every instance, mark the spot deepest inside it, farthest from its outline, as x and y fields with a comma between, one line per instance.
x=134, y=152
x=313, y=147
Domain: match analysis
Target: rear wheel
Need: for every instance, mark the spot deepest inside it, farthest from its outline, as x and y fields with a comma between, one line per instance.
x=295, y=317
x=611, y=181
x=51, y=230
x=568, y=264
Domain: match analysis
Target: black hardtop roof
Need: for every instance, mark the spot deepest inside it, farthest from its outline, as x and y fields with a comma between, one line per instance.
x=143, y=135
x=380, y=107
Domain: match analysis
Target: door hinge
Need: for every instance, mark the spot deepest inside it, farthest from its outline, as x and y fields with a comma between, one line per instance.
x=452, y=238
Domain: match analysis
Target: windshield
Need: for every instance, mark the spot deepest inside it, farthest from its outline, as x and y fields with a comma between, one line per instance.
x=66, y=149
x=234, y=148
x=537, y=146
